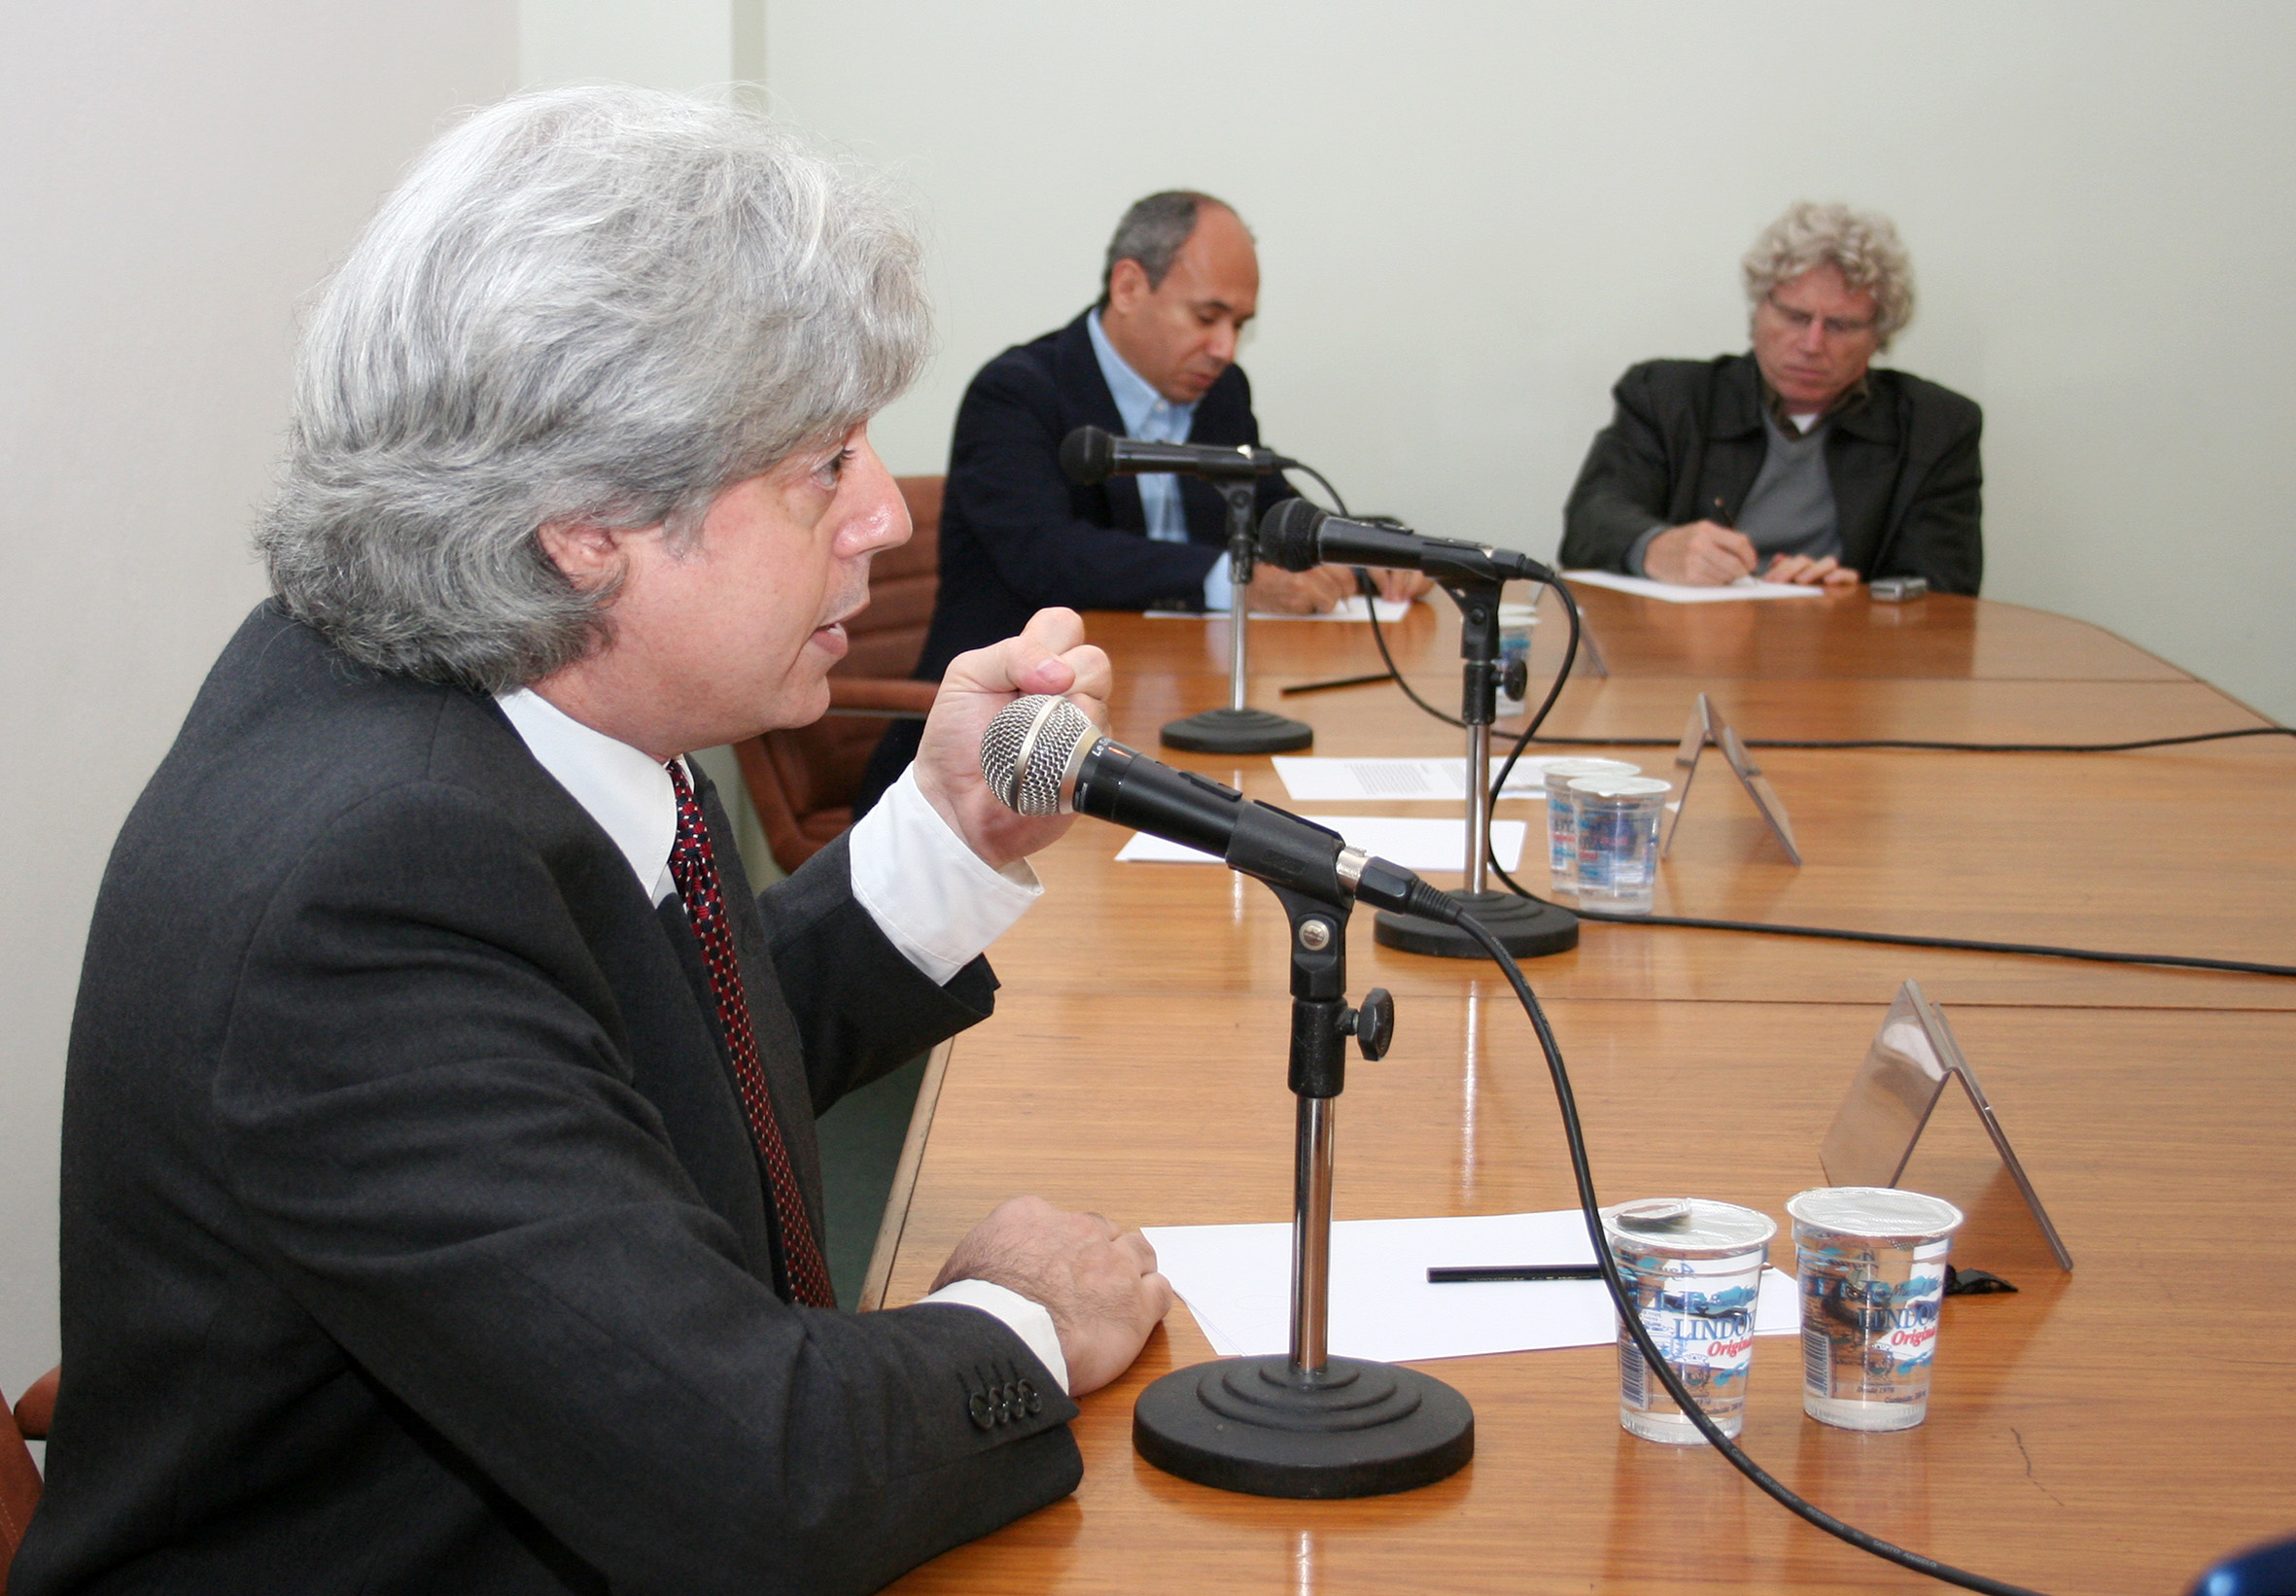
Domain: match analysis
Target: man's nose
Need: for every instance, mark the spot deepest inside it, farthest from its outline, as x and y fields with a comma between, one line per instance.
x=880, y=515
x=1813, y=338
x=1223, y=344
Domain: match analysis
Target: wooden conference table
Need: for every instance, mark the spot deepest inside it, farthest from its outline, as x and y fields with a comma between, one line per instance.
x=2112, y=1430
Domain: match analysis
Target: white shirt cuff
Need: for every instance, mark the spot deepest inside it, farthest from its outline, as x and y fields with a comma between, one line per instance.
x=1218, y=590
x=1030, y=1321
x=933, y=897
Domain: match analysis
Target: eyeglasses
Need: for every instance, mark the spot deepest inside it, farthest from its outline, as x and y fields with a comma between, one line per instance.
x=1836, y=327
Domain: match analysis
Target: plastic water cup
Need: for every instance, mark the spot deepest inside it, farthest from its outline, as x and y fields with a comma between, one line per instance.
x=1516, y=621
x=1562, y=814
x=1617, y=822
x=1872, y=1264
x=1694, y=1268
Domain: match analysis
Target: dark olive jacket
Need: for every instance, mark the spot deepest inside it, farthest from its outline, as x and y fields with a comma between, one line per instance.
x=1687, y=443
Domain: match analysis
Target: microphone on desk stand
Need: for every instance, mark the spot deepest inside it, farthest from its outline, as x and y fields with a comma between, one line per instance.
x=1296, y=536
x=1092, y=455
x=1307, y=1424
x=1312, y=1425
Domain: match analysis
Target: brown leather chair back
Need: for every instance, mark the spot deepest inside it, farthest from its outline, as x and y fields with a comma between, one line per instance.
x=888, y=637
x=19, y=1478
x=802, y=780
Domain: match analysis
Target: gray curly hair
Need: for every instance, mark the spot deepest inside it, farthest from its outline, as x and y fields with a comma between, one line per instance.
x=584, y=304
x=1862, y=245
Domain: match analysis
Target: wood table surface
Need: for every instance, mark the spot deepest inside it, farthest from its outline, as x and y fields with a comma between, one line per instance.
x=2111, y=1430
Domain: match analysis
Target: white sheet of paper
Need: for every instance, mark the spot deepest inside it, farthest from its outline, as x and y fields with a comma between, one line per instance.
x=1237, y=1279
x=1348, y=610
x=1745, y=587
x=1310, y=779
x=1352, y=608
x=1415, y=845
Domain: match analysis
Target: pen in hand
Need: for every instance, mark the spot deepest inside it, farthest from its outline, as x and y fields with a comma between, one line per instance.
x=1476, y=1273
x=1721, y=517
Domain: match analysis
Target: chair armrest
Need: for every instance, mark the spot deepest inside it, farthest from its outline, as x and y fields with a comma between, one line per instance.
x=891, y=696
x=35, y=1410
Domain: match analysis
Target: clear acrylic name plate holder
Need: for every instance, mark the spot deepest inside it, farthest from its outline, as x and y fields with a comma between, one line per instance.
x=1708, y=726
x=1906, y=1072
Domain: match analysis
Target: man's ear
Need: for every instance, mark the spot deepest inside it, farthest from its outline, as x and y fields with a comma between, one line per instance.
x=1128, y=286
x=587, y=555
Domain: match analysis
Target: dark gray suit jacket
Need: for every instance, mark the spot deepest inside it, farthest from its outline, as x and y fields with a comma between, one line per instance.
x=1686, y=444
x=414, y=1238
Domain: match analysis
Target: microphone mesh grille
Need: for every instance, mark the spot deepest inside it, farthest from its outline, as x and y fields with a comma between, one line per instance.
x=1288, y=534
x=1026, y=750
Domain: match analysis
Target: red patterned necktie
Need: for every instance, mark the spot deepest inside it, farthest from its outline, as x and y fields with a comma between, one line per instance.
x=694, y=868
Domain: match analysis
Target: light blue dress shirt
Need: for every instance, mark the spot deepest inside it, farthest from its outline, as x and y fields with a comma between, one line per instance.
x=1152, y=418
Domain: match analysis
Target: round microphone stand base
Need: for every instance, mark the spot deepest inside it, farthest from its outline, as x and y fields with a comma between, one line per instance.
x=1261, y=1427
x=1525, y=926
x=1238, y=731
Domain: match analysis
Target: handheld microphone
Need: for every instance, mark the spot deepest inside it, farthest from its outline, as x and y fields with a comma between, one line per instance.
x=1091, y=454
x=1041, y=757
x=1297, y=536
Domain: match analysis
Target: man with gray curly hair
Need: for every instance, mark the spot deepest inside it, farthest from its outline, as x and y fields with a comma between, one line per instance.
x=1800, y=462
x=441, y=1205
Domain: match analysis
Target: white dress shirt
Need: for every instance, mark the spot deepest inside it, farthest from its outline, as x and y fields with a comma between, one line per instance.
x=933, y=897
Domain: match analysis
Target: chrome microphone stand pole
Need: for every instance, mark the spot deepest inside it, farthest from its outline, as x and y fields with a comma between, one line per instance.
x=1236, y=728
x=1525, y=926
x=1308, y=1424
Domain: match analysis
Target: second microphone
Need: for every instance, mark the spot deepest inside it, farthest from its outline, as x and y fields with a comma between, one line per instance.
x=1089, y=455
x=1296, y=536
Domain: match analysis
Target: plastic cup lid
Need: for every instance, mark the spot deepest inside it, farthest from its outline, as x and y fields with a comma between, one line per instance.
x=1621, y=786
x=1685, y=1228
x=1568, y=767
x=1875, y=1213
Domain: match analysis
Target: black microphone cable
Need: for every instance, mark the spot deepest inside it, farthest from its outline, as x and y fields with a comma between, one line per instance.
x=1562, y=591
x=1583, y=1176
x=1906, y=939
x=1530, y=734
x=1370, y=590
x=1827, y=933
x=1947, y=748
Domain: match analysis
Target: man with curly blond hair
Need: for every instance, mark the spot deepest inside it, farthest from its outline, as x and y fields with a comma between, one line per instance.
x=1799, y=461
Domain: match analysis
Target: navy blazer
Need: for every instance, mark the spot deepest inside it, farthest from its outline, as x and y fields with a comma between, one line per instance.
x=413, y=1235
x=1017, y=535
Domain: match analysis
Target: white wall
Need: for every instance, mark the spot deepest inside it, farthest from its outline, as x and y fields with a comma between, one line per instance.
x=176, y=178
x=1473, y=215
x=682, y=45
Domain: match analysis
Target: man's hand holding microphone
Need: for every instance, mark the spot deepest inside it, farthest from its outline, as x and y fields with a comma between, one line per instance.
x=1100, y=1283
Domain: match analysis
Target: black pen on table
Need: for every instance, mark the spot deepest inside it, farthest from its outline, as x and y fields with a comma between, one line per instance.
x=1470, y=1274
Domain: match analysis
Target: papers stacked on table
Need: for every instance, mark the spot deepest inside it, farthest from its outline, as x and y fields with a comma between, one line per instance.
x=1745, y=587
x=1352, y=781
x=1354, y=608
x=1237, y=1279
x=1415, y=845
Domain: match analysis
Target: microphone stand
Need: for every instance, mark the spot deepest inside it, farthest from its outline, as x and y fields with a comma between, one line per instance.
x=1236, y=729
x=1525, y=926
x=1309, y=1424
